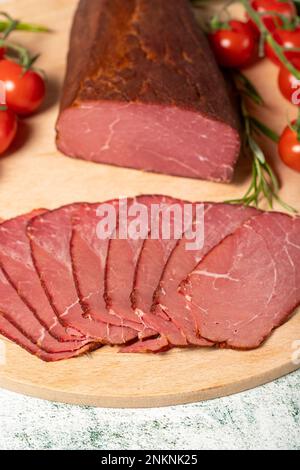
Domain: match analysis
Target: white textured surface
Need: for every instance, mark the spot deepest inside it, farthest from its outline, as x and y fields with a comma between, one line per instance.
x=265, y=418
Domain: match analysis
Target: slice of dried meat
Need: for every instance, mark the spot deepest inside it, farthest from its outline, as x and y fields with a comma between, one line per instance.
x=9, y=331
x=16, y=312
x=50, y=236
x=249, y=284
x=89, y=250
x=16, y=262
x=123, y=258
x=171, y=314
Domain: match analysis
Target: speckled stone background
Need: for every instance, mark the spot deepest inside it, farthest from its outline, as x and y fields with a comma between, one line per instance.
x=265, y=418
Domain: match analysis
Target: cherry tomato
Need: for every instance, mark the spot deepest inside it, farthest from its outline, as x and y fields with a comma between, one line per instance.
x=8, y=129
x=24, y=91
x=289, y=148
x=286, y=38
x=269, y=7
x=235, y=47
x=288, y=84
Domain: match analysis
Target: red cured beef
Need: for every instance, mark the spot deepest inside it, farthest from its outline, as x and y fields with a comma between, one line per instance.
x=154, y=255
x=14, y=311
x=16, y=262
x=143, y=90
x=249, y=284
x=50, y=235
x=89, y=255
x=9, y=331
x=122, y=260
x=171, y=314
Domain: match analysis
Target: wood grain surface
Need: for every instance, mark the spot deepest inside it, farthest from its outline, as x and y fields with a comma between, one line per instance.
x=36, y=175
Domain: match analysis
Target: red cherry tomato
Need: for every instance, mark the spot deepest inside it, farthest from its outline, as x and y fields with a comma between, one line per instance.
x=235, y=47
x=289, y=148
x=8, y=129
x=268, y=10
x=288, y=84
x=286, y=38
x=24, y=91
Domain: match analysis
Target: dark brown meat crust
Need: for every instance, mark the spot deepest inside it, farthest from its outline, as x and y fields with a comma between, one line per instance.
x=145, y=52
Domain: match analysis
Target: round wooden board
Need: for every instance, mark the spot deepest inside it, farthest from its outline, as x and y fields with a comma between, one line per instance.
x=36, y=175
x=109, y=379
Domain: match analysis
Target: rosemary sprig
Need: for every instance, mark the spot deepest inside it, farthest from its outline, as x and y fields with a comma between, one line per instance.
x=264, y=182
x=263, y=129
x=246, y=87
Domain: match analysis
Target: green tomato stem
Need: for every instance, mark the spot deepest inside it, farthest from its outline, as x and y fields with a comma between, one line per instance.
x=30, y=28
x=23, y=54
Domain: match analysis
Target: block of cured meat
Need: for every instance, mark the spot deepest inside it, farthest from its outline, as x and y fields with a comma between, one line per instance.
x=14, y=312
x=122, y=260
x=171, y=314
x=249, y=284
x=50, y=237
x=143, y=90
x=16, y=262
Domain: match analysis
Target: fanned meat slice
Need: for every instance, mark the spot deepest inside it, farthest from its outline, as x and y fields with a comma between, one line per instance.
x=156, y=345
x=50, y=235
x=122, y=260
x=249, y=284
x=9, y=331
x=155, y=253
x=16, y=312
x=16, y=262
x=171, y=314
x=89, y=254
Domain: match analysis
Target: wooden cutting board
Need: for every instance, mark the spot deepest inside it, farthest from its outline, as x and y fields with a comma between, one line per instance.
x=36, y=175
